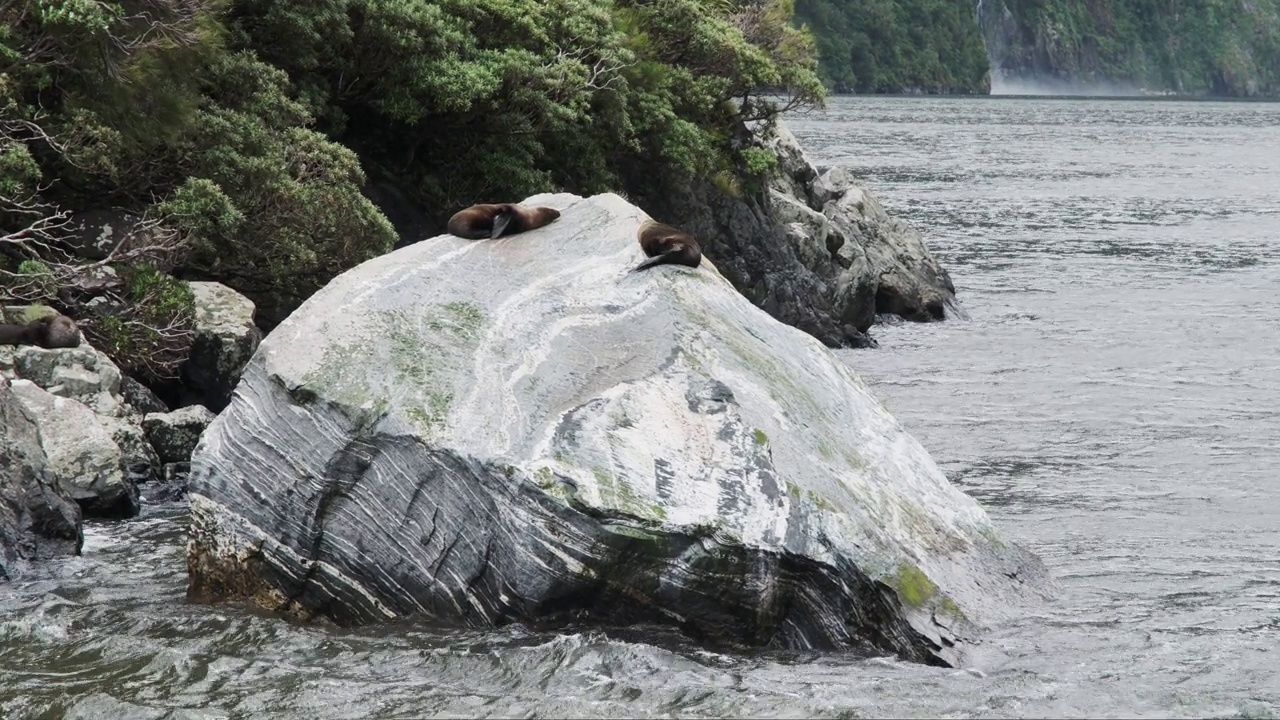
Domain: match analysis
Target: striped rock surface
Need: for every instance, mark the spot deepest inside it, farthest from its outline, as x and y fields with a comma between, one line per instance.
x=480, y=432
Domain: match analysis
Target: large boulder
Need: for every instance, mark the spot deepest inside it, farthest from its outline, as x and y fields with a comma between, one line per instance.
x=814, y=251
x=37, y=518
x=225, y=340
x=521, y=429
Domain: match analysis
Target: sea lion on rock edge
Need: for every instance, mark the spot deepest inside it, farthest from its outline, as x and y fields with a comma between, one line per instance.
x=491, y=221
x=58, y=331
x=666, y=245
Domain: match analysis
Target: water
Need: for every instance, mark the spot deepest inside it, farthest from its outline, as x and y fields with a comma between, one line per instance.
x=1114, y=403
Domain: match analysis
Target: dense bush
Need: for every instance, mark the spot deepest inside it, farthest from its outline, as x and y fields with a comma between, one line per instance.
x=463, y=101
x=138, y=107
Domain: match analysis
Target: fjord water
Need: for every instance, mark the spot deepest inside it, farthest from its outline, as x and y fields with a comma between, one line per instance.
x=1113, y=401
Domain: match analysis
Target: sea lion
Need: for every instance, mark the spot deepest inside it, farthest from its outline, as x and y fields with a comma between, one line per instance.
x=57, y=331
x=666, y=245
x=491, y=221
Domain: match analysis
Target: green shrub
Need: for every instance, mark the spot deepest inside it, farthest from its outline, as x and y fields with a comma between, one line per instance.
x=150, y=332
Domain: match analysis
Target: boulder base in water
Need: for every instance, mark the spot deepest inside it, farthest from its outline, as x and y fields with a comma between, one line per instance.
x=482, y=432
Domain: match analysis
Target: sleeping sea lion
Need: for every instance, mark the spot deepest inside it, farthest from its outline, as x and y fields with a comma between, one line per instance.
x=58, y=331
x=666, y=245
x=491, y=221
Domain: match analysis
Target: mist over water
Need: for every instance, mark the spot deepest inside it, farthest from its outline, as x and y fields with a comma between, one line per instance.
x=1114, y=403
x=1004, y=85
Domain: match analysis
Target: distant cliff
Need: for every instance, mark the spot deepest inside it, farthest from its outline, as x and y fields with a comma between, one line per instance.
x=1197, y=47
x=892, y=46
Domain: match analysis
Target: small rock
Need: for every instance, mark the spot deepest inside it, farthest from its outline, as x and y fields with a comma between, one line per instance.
x=175, y=434
x=81, y=373
x=141, y=463
x=225, y=340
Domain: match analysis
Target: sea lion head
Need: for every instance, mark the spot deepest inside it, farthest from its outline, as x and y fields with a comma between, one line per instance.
x=57, y=331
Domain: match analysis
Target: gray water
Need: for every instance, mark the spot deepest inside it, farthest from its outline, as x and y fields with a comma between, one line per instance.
x=1114, y=403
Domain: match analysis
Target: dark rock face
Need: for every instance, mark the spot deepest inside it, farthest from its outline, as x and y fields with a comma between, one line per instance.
x=814, y=251
x=480, y=433
x=37, y=518
x=140, y=397
x=94, y=234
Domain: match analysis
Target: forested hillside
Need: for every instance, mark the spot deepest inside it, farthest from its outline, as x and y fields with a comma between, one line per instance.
x=1218, y=47
x=891, y=46
x=1194, y=47
x=237, y=140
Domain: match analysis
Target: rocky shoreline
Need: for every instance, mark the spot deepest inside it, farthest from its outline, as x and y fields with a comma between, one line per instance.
x=100, y=442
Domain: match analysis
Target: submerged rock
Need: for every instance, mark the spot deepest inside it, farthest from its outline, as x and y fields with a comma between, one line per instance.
x=521, y=430
x=37, y=519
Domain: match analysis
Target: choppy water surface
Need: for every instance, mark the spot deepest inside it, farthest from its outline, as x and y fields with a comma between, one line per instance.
x=1114, y=403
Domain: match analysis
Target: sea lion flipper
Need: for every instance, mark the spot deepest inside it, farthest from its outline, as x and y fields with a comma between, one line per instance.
x=660, y=259
x=500, y=222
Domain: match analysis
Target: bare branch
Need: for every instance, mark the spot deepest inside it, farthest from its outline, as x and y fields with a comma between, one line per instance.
x=602, y=74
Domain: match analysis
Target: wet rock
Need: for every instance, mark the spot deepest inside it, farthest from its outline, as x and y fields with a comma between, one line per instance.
x=909, y=281
x=802, y=252
x=174, y=435
x=137, y=456
x=522, y=430
x=172, y=486
x=225, y=340
x=37, y=518
x=81, y=452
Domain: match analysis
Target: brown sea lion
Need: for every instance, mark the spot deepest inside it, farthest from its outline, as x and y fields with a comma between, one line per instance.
x=666, y=245
x=57, y=331
x=491, y=221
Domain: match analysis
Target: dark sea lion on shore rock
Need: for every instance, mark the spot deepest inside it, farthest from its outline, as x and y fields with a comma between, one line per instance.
x=57, y=331
x=666, y=245
x=491, y=221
